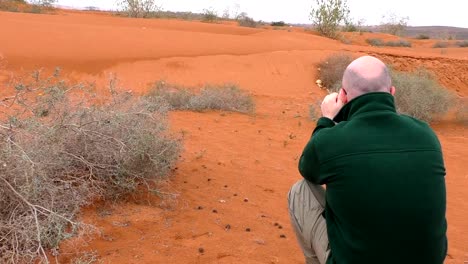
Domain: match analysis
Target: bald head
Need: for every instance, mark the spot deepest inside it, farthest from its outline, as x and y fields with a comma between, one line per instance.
x=365, y=75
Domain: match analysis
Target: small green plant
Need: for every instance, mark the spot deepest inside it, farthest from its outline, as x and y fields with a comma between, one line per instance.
x=210, y=16
x=331, y=70
x=440, y=45
x=327, y=15
x=422, y=36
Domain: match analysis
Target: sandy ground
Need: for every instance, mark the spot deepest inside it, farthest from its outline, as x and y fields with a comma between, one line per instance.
x=236, y=170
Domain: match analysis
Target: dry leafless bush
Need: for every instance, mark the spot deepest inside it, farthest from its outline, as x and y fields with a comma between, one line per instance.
x=420, y=95
x=225, y=97
x=59, y=152
x=331, y=70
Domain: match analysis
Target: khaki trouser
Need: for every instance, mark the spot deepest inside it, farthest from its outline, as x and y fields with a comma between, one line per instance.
x=306, y=204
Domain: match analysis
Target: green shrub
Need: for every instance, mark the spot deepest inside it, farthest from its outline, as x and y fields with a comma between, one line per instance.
x=422, y=36
x=420, y=95
x=440, y=44
x=331, y=70
x=278, y=24
x=326, y=15
x=375, y=42
x=462, y=44
x=226, y=97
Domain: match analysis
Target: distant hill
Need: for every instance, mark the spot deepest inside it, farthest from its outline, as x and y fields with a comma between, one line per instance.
x=439, y=32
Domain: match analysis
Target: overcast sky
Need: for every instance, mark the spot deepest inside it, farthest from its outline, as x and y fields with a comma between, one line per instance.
x=420, y=12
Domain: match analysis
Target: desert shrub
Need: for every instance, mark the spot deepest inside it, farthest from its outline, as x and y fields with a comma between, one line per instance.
x=462, y=44
x=379, y=43
x=58, y=152
x=422, y=36
x=139, y=8
x=327, y=15
x=375, y=42
x=461, y=113
x=331, y=70
x=420, y=95
x=278, y=24
x=209, y=16
x=398, y=43
x=314, y=111
x=244, y=20
x=440, y=44
x=394, y=24
x=225, y=97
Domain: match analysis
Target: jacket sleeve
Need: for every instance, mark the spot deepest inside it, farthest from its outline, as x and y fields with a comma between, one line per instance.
x=309, y=165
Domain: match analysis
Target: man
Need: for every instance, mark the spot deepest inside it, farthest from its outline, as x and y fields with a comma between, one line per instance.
x=385, y=195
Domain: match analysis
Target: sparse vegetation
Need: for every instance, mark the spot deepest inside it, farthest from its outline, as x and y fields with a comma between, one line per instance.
x=245, y=21
x=420, y=95
x=398, y=43
x=422, y=36
x=393, y=24
x=225, y=97
x=139, y=8
x=34, y=7
x=210, y=16
x=58, y=153
x=327, y=15
x=462, y=44
x=379, y=43
x=440, y=44
x=376, y=42
x=314, y=111
x=278, y=24
x=331, y=70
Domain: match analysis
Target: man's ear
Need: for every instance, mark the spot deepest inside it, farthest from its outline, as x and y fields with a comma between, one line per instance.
x=342, y=96
x=392, y=90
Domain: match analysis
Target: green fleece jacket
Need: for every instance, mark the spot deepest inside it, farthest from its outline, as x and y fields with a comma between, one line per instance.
x=385, y=179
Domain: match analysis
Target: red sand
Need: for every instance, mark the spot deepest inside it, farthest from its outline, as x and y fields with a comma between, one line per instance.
x=227, y=157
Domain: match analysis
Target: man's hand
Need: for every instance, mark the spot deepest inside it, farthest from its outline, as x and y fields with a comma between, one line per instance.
x=331, y=105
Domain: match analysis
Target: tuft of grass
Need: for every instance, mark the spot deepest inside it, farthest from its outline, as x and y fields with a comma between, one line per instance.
x=440, y=45
x=420, y=95
x=331, y=70
x=225, y=97
x=462, y=44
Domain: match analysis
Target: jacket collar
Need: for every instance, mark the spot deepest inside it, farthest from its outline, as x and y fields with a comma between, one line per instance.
x=370, y=102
